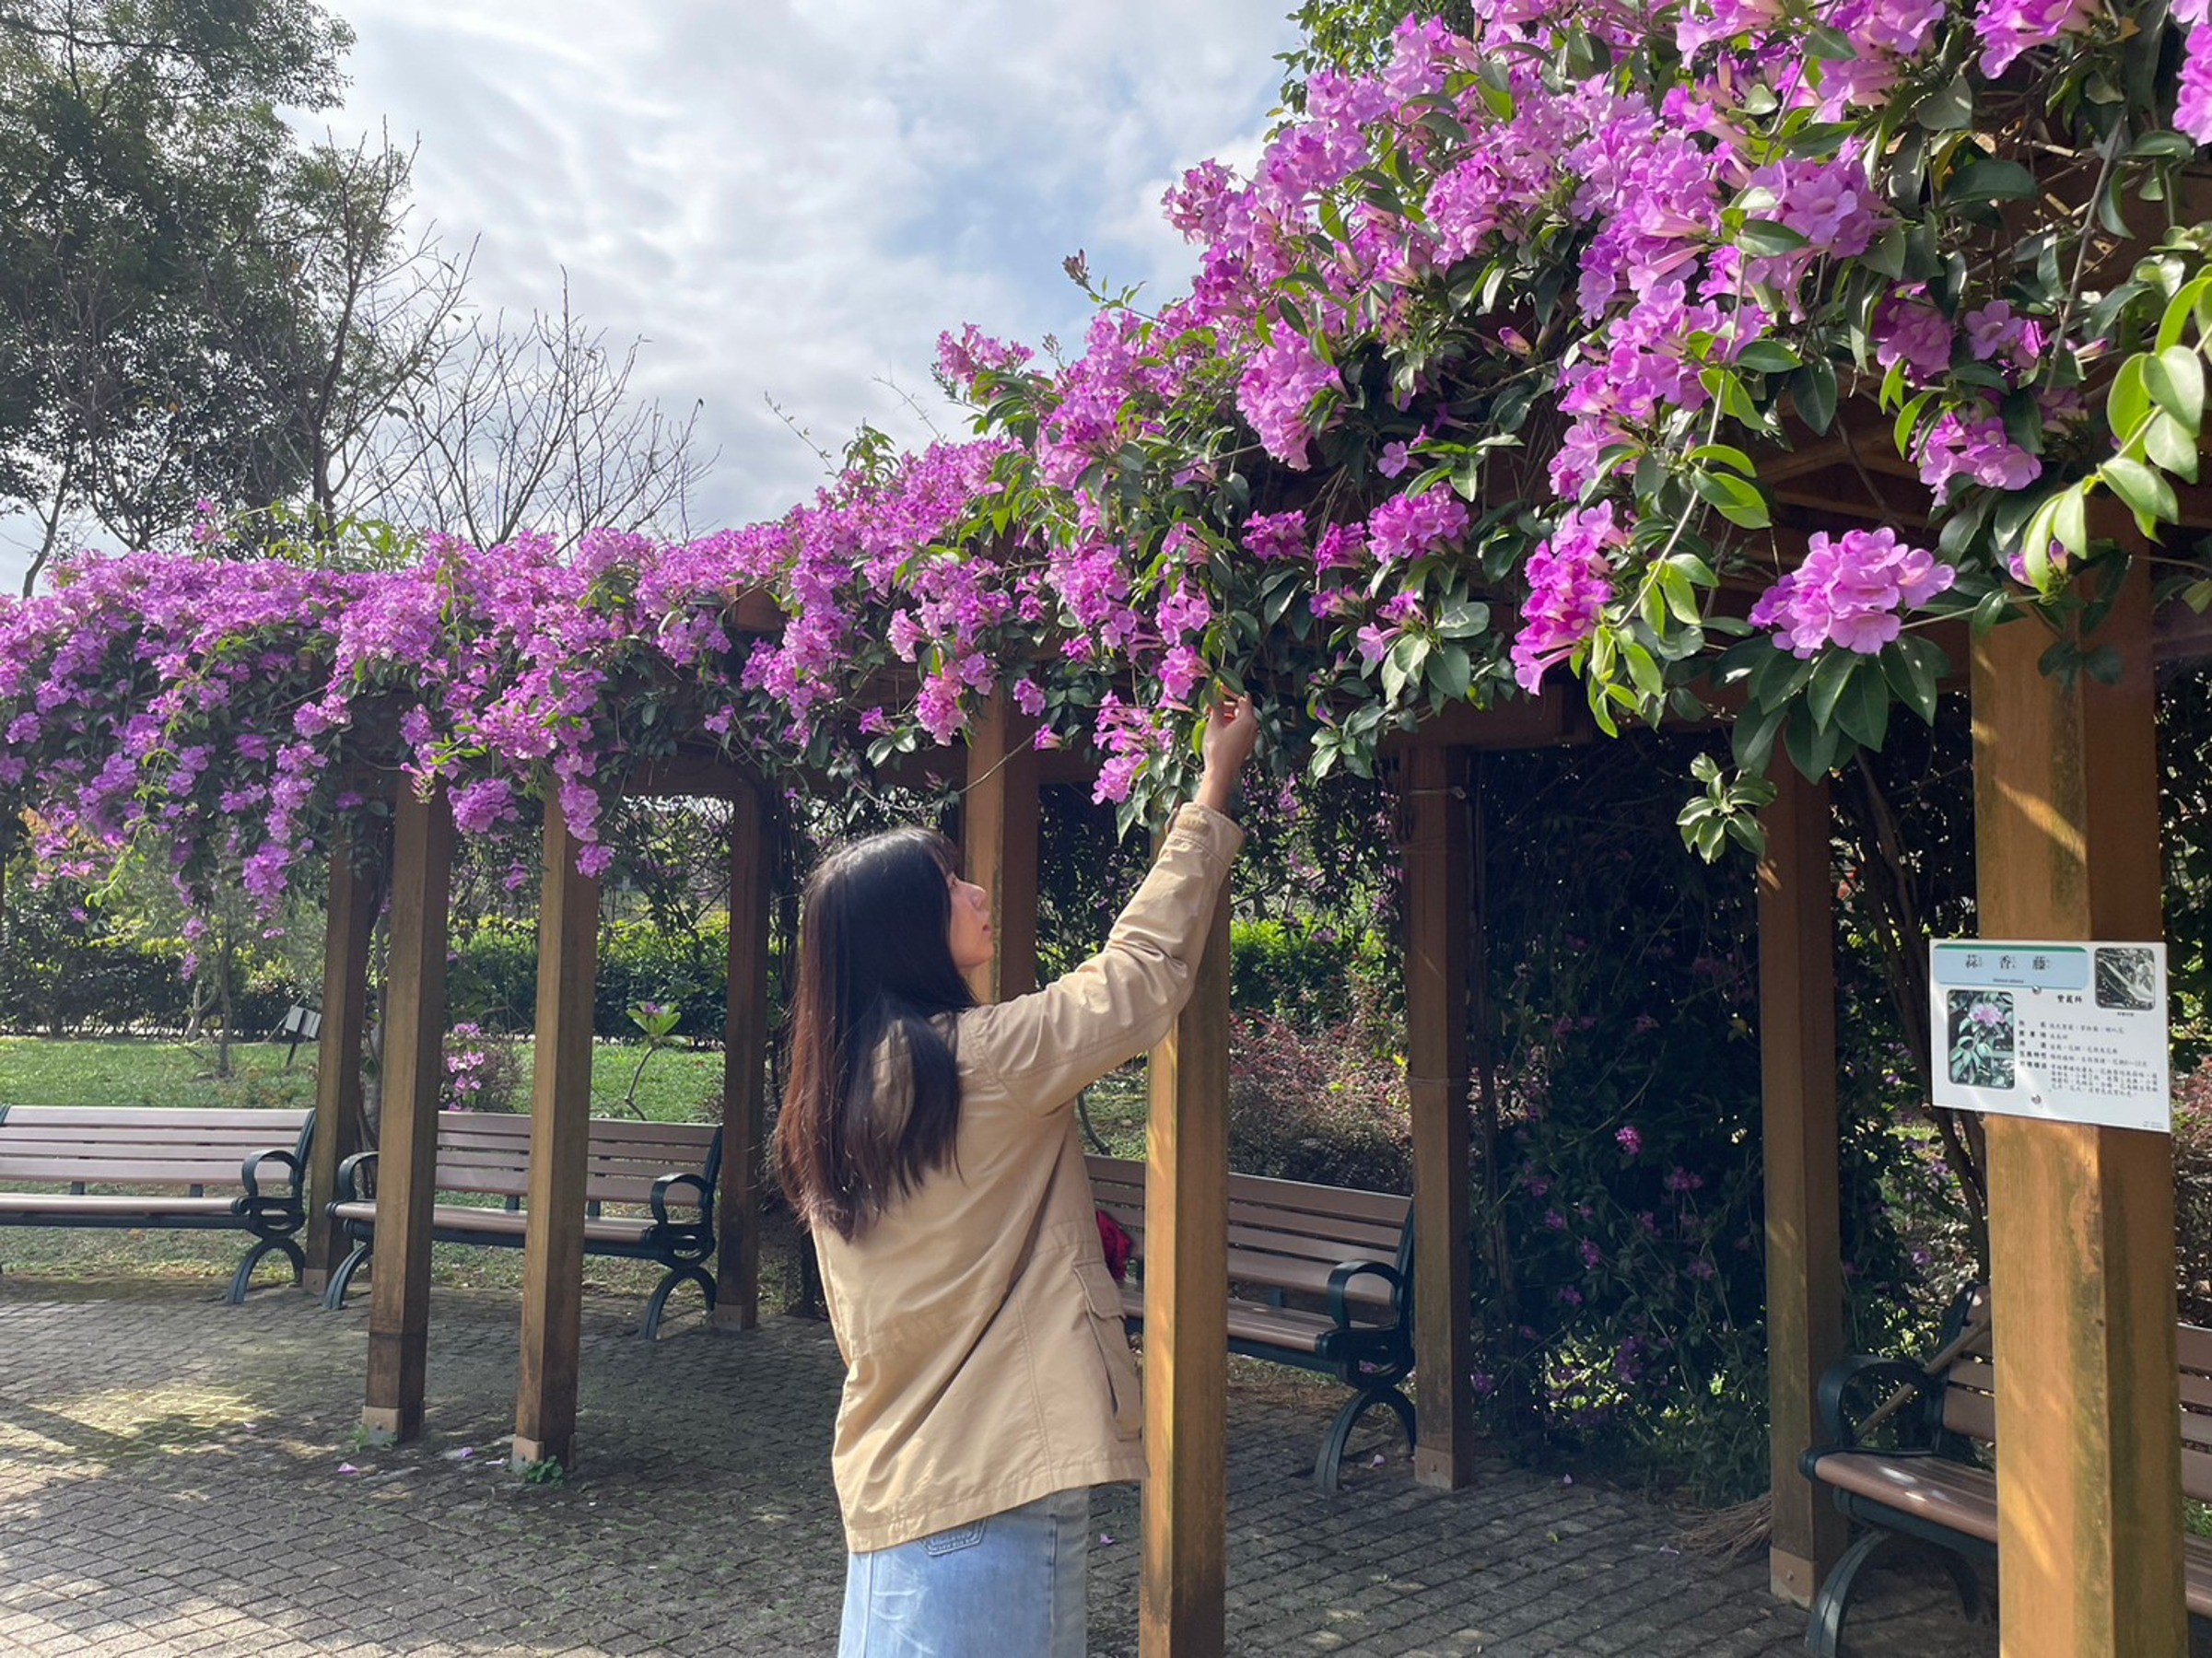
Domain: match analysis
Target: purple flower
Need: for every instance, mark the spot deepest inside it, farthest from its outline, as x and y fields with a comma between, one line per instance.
x=1629, y=1140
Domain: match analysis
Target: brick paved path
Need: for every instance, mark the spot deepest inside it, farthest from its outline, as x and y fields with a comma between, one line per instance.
x=177, y=1476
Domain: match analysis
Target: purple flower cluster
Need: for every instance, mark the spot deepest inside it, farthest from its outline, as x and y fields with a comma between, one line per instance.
x=1850, y=591
x=1570, y=582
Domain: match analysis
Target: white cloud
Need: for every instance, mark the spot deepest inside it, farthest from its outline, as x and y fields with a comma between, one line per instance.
x=791, y=200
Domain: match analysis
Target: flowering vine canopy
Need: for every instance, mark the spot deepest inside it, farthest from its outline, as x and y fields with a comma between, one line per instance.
x=1702, y=351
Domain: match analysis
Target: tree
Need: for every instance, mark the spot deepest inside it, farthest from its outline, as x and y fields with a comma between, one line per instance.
x=143, y=289
x=533, y=427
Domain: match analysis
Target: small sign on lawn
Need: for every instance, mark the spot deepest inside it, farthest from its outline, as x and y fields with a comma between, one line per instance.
x=2073, y=1031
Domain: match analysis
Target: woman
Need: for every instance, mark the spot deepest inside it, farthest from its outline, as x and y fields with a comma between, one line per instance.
x=930, y=1145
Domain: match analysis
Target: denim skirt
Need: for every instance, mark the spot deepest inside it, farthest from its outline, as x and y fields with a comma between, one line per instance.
x=1007, y=1586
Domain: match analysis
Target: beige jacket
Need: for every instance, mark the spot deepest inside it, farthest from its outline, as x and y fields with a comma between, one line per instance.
x=986, y=1364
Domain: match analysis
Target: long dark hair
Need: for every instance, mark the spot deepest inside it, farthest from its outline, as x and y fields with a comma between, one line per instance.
x=875, y=962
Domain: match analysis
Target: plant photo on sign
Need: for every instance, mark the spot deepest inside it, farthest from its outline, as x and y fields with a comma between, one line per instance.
x=1981, y=1038
x=2128, y=976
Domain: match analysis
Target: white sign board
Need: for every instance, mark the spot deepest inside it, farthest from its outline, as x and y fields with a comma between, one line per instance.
x=2072, y=1031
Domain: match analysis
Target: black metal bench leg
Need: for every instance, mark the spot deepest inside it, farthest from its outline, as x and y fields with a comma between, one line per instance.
x=333, y=1296
x=1328, y=1463
x=1824, y=1631
x=676, y=1274
x=1966, y=1580
x=242, y=1278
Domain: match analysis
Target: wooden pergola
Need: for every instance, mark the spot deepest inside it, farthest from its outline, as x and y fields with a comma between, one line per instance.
x=2081, y=1219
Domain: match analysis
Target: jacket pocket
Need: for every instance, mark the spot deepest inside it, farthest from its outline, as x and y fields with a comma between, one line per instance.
x=1105, y=1298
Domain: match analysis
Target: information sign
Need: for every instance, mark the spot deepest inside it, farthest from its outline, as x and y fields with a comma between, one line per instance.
x=2071, y=1031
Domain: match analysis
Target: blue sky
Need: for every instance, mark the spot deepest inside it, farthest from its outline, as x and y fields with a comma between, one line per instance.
x=791, y=200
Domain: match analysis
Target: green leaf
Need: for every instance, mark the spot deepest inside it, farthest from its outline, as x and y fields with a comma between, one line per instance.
x=1766, y=238
x=1644, y=670
x=1991, y=180
x=1831, y=677
x=1864, y=710
x=1450, y=671
x=2190, y=296
x=2070, y=521
x=1738, y=501
x=2171, y=447
x=1887, y=255
x=1728, y=455
x=2127, y=405
x=1768, y=356
x=1753, y=737
x=2175, y=380
x=1813, y=390
x=2164, y=144
x=1908, y=418
x=1681, y=597
x=1834, y=44
x=1948, y=109
x=1463, y=618
x=2145, y=491
x=1915, y=666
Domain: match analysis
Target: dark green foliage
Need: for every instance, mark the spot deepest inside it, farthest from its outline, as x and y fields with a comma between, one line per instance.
x=1308, y=974
x=492, y=979
x=64, y=971
x=1620, y=1261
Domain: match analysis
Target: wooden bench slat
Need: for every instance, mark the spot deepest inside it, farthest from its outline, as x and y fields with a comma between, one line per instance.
x=508, y=1223
x=116, y=1172
x=288, y=1121
x=99, y=1203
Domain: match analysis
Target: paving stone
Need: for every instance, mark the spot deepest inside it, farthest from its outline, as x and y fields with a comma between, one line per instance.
x=178, y=1477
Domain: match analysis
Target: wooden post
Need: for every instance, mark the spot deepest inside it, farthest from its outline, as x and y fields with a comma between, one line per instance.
x=1803, y=1236
x=414, y=1023
x=560, y=1144
x=338, y=1125
x=2081, y=1219
x=1180, y=1595
x=1438, y=851
x=998, y=823
x=744, y=1066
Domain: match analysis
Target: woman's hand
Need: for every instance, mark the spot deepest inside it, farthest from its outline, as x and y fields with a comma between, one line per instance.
x=1232, y=733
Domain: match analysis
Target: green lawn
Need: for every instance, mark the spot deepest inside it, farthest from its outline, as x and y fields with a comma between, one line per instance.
x=680, y=1085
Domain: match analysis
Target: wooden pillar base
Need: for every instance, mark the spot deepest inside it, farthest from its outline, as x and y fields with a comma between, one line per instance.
x=1792, y=1577
x=385, y=1425
x=530, y=1453
x=313, y=1281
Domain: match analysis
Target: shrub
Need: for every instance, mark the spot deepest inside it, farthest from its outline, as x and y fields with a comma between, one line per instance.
x=2192, y=1193
x=493, y=976
x=1325, y=1106
x=1308, y=973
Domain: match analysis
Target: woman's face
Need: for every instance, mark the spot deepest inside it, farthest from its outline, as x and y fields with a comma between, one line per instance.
x=968, y=933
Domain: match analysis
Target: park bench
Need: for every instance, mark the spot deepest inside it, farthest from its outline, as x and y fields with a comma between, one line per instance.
x=656, y=1167
x=209, y=1170
x=1349, y=1251
x=1929, y=1480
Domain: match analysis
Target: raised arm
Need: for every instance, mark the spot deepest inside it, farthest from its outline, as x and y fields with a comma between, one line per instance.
x=1046, y=1048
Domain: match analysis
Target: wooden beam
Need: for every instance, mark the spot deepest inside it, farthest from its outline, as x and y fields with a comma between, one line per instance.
x=351, y=919
x=999, y=820
x=2081, y=1219
x=1185, y=1569
x=561, y=1145
x=414, y=1023
x=744, y=1066
x=1804, y=1229
x=1438, y=851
